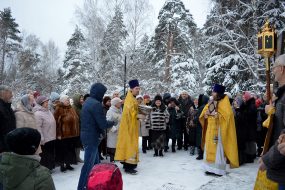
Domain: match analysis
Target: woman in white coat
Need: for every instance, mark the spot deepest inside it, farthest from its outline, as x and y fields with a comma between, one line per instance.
x=113, y=114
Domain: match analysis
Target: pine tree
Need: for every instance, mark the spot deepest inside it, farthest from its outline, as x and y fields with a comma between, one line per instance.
x=9, y=38
x=112, y=50
x=172, y=48
x=231, y=40
x=74, y=78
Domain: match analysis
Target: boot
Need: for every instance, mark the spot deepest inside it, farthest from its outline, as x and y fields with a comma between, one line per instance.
x=160, y=153
x=78, y=159
x=62, y=168
x=192, y=150
x=144, y=144
x=155, y=153
x=68, y=167
x=173, y=149
x=200, y=154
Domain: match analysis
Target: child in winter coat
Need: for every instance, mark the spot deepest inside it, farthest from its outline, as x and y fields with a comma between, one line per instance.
x=21, y=168
x=113, y=114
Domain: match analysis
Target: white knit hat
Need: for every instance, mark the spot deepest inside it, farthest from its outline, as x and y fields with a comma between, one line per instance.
x=63, y=98
x=114, y=101
x=139, y=96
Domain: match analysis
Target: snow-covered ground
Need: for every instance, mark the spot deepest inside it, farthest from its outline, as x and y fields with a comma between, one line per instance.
x=175, y=171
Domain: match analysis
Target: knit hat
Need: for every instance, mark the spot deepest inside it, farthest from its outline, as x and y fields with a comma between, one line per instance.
x=63, y=98
x=146, y=96
x=157, y=97
x=36, y=94
x=246, y=95
x=114, y=101
x=219, y=89
x=23, y=141
x=54, y=96
x=139, y=96
x=134, y=83
x=41, y=99
x=258, y=102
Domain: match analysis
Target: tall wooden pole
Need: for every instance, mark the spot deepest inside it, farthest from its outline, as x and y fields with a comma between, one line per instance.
x=125, y=74
x=268, y=82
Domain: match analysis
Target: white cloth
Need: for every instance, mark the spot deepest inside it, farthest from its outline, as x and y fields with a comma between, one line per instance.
x=219, y=167
x=113, y=114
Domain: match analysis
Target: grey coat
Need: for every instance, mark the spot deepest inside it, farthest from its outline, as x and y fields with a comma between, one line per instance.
x=279, y=117
x=275, y=164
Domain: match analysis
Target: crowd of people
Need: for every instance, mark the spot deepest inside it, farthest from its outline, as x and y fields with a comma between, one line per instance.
x=48, y=131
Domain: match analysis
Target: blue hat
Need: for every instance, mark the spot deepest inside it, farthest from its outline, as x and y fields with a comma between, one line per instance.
x=134, y=83
x=219, y=89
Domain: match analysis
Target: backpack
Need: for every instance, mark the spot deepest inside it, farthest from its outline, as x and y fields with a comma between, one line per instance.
x=105, y=176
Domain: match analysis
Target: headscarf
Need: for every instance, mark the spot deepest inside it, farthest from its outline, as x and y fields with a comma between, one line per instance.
x=25, y=100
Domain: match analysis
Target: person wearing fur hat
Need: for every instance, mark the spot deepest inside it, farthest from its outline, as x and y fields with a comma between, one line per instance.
x=113, y=114
x=20, y=168
x=219, y=133
x=159, y=117
x=128, y=137
x=185, y=103
x=67, y=128
x=46, y=125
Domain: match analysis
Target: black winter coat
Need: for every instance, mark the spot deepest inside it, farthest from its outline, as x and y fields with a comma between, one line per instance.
x=185, y=105
x=247, y=120
x=7, y=123
x=175, y=123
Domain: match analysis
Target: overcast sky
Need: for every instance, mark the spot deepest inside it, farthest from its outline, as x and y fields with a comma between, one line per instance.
x=54, y=19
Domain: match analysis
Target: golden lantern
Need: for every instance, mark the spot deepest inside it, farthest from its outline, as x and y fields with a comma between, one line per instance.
x=267, y=41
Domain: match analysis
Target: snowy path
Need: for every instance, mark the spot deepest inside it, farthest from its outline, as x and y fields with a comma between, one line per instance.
x=175, y=171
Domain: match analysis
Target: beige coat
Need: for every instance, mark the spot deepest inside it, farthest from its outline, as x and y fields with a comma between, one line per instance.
x=25, y=118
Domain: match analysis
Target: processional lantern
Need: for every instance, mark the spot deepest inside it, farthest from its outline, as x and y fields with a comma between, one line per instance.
x=267, y=43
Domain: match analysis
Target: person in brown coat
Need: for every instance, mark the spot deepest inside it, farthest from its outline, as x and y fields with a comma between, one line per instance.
x=67, y=129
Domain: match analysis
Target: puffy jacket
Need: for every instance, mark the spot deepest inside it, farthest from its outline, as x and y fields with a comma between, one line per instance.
x=46, y=124
x=93, y=120
x=18, y=172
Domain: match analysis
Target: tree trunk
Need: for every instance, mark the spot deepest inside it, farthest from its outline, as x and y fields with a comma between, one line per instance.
x=169, y=50
x=2, y=64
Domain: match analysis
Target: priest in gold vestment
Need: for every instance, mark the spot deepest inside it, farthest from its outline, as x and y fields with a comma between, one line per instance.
x=219, y=134
x=127, y=149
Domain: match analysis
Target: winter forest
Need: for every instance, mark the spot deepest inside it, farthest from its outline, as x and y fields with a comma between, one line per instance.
x=176, y=56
